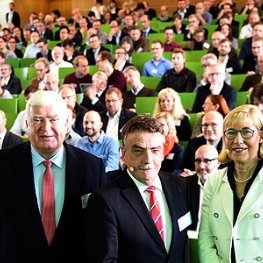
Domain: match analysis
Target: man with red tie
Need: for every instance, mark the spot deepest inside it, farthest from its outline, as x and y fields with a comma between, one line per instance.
x=45, y=185
x=143, y=214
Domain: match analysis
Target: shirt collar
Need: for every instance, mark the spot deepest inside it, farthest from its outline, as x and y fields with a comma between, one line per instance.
x=138, y=90
x=2, y=134
x=118, y=113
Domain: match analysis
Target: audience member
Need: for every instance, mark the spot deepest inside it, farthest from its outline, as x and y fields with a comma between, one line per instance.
x=42, y=67
x=178, y=26
x=227, y=31
x=169, y=44
x=140, y=43
x=32, y=49
x=204, y=16
x=246, y=30
x=9, y=81
x=127, y=44
x=102, y=35
x=3, y=48
x=182, y=10
x=198, y=42
x=13, y=16
x=44, y=52
x=70, y=52
x=217, y=36
x=146, y=26
x=121, y=61
x=51, y=82
x=12, y=44
x=43, y=31
x=116, y=34
x=75, y=35
x=164, y=15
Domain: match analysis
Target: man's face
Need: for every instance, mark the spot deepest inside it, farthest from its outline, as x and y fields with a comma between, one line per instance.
x=69, y=96
x=257, y=48
x=258, y=31
x=145, y=22
x=2, y=44
x=40, y=27
x=133, y=78
x=212, y=128
x=100, y=83
x=113, y=103
x=92, y=124
x=2, y=122
x=120, y=54
x=168, y=35
x=95, y=42
x=82, y=68
x=254, y=18
x=157, y=51
x=42, y=47
x=46, y=128
x=163, y=11
x=72, y=31
x=57, y=55
x=199, y=37
x=34, y=37
x=6, y=71
x=135, y=34
x=215, y=75
x=216, y=37
x=83, y=23
x=224, y=48
x=114, y=27
x=63, y=34
x=26, y=35
x=41, y=70
x=97, y=25
x=178, y=60
x=143, y=155
x=6, y=35
x=193, y=22
x=181, y=5
x=128, y=21
x=101, y=64
x=51, y=83
x=205, y=162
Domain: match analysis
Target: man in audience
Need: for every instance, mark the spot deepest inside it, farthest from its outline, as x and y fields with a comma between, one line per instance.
x=178, y=26
x=32, y=49
x=204, y=16
x=115, y=116
x=68, y=93
x=121, y=221
x=9, y=81
x=98, y=143
x=137, y=88
x=217, y=36
x=128, y=24
x=116, y=34
x=7, y=138
x=217, y=86
x=157, y=66
x=43, y=31
x=140, y=43
x=70, y=52
x=81, y=75
x=96, y=47
x=146, y=26
x=212, y=130
x=75, y=36
x=182, y=10
x=76, y=17
x=246, y=30
x=44, y=52
x=51, y=82
x=169, y=44
x=121, y=61
x=102, y=35
x=164, y=15
x=115, y=77
x=83, y=49
x=12, y=16
x=42, y=67
x=63, y=36
x=180, y=78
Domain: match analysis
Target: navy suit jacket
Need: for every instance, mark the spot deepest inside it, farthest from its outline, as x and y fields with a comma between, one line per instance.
x=22, y=236
x=90, y=55
x=13, y=85
x=124, y=117
x=11, y=140
x=15, y=20
x=113, y=41
x=120, y=228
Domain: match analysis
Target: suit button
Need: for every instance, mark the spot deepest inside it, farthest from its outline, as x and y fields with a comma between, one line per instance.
x=258, y=258
x=256, y=215
x=216, y=215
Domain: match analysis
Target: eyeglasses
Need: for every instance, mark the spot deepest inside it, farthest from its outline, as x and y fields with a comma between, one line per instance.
x=118, y=53
x=212, y=124
x=204, y=160
x=246, y=133
x=113, y=101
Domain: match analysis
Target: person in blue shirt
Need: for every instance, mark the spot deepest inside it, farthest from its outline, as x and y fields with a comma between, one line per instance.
x=158, y=65
x=98, y=143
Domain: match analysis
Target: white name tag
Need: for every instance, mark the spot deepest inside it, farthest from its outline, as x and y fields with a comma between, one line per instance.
x=84, y=200
x=184, y=221
x=170, y=156
x=206, y=45
x=229, y=70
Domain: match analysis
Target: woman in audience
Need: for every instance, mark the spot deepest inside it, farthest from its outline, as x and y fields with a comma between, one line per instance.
x=12, y=44
x=256, y=96
x=212, y=103
x=20, y=40
x=127, y=44
x=227, y=31
x=173, y=151
x=231, y=218
x=169, y=101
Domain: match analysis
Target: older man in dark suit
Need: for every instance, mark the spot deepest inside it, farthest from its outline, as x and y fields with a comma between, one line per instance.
x=142, y=215
x=45, y=188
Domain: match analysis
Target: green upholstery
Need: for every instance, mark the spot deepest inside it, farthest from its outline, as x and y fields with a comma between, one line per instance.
x=52, y=43
x=21, y=102
x=63, y=72
x=145, y=104
x=183, y=143
x=240, y=42
x=25, y=83
x=179, y=38
x=110, y=47
x=196, y=67
x=79, y=97
x=21, y=73
x=150, y=82
x=192, y=119
x=187, y=99
x=26, y=62
x=156, y=36
x=10, y=117
x=14, y=62
x=240, y=19
x=155, y=25
x=211, y=29
x=105, y=28
x=93, y=69
x=194, y=55
x=237, y=80
x=163, y=25
x=9, y=105
x=31, y=73
x=242, y=98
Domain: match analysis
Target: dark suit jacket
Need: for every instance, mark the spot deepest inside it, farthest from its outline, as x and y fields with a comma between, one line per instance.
x=228, y=92
x=233, y=66
x=113, y=41
x=48, y=57
x=251, y=81
x=249, y=64
x=90, y=55
x=13, y=85
x=11, y=140
x=15, y=20
x=192, y=146
x=98, y=106
x=120, y=228
x=124, y=117
x=23, y=237
x=246, y=49
x=48, y=34
x=78, y=126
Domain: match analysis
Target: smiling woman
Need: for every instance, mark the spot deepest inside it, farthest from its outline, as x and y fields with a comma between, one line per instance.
x=233, y=195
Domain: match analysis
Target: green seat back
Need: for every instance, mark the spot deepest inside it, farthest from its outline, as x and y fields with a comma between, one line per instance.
x=52, y=43
x=196, y=67
x=93, y=69
x=21, y=102
x=10, y=117
x=192, y=119
x=242, y=98
x=145, y=105
x=21, y=73
x=27, y=62
x=31, y=73
x=25, y=83
x=187, y=99
x=237, y=80
x=63, y=72
x=14, y=62
x=194, y=55
x=150, y=82
x=9, y=105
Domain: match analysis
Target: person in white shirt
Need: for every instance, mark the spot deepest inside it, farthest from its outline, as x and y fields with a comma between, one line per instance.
x=247, y=30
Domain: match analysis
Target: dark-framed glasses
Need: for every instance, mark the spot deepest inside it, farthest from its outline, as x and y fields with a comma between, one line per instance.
x=246, y=133
x=204, y=160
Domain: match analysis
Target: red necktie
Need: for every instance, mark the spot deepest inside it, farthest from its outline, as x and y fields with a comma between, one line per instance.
x=155, y=211
x=48, y=203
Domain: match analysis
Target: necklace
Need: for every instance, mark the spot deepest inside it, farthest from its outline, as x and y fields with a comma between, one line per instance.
x=244, y=181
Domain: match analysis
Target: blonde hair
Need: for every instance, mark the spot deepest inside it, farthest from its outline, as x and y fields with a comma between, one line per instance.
x=242, y=114
x=178, y=111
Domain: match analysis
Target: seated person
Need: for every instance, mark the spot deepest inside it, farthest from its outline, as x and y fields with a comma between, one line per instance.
x=204, y=16
x=140, y=43
x=178, y=26
x=32, y=49
x=146, y=26
x=246, y=30
x=121, y=61
x=164, y=14
x=169, y=44
x=70, y=52
x=256, y=96
x=198, y=42
x=42, y=45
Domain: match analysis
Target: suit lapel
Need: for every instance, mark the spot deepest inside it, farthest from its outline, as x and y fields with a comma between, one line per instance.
x=133, y=197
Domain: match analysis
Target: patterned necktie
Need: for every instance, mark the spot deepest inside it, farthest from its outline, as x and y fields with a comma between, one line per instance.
x=48, y=203
x=155, y=211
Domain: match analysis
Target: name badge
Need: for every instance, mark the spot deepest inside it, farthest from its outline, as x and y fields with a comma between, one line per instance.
x=84, y=200
x=154, y=71
x=206, y=45
x=170, y=156
x=229, y=70
x=184, y=221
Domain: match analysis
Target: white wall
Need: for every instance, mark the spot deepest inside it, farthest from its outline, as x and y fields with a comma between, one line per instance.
x=3, y=10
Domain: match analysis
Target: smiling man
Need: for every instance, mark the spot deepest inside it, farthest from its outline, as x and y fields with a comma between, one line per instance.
x=143, y=215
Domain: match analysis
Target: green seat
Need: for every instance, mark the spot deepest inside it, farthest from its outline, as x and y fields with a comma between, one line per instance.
x=79, y=97
x=150, y=82
x=139, y=59
x=155, y=36
x=26, y=62
x=240, y=19
x=196, y=67
x=194, y=55
x=63, y=72
x=237, y=80
x=183, y=143
x=93, y=69
x=105, y=28
x=109, y=46
x=14, y=62
x=211, y=29
x=10, y=117
x=25, y=83
x=192, y=119
x=52, y=43
x=31, y=73
x=240, y=42
x=163, y=25
x=9, y=105
x=21, y=102
x=187, y=99
x=179, y=37
x=242, y=98
x=21, y=73
x=145, y=105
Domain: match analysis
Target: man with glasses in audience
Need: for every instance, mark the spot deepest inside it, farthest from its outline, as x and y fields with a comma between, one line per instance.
x=116, y=34
x=121, y=59
x=42, y=45
x=216, y=86
x=42, y=67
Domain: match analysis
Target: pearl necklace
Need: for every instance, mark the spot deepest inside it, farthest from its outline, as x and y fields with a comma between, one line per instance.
x=244, y=181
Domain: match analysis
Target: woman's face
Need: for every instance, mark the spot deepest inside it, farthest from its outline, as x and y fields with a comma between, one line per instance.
x=243, y=151
x=208, y=105
x=225, y=30
x=167, y=104
x=164, y=126
x=126, y=45
x=259, y=103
